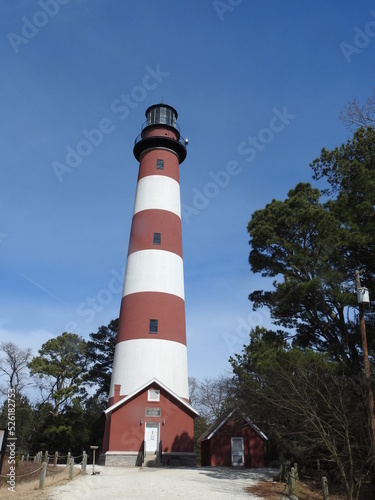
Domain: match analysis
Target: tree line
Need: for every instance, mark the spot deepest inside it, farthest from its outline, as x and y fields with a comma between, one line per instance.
x=69, y=382
x=302, y=382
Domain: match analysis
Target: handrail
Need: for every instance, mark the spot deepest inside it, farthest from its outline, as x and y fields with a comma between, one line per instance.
x=161, y=121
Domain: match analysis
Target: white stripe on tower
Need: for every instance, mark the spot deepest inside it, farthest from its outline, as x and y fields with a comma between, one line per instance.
x=154, y=278
x=155, y=191
x=131, y=371
x=146, y=272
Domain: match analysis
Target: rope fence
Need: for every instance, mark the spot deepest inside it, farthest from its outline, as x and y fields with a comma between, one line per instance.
x=46, y=457
x=23, y=475
x=44, y=460
x=290, y=476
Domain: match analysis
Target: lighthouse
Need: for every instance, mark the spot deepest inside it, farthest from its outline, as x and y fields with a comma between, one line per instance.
x=148, y=412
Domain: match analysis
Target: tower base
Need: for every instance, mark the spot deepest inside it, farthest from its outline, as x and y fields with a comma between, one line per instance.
x=133, y=459
x=121, y=459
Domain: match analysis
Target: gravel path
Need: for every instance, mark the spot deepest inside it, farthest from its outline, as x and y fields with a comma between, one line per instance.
x=199, y=483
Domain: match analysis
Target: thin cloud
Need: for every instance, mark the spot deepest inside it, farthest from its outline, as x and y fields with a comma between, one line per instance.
x=38, y=285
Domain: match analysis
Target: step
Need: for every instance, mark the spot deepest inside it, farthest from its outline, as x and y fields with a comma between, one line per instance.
x=151, y=460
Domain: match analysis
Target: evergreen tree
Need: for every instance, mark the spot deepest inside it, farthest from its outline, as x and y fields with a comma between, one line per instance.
x=100, y=352
x=60, y=370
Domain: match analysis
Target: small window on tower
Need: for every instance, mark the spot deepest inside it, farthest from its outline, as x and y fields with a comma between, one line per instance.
x=160, y=164
x=157, y=238
x=153, y=326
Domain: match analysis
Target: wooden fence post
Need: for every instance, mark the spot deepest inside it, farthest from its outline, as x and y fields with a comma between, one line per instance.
x=56, y=458
x=325, y=488
x=68, y=458
x=84, y=462
x=42, y=475
x=291, y=482
x=46, y=459
x=283, y=472
x=71, y=465
x=296, y=475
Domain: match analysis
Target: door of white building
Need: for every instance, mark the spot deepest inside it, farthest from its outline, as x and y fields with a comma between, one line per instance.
x=237, y=451
x=151, y=437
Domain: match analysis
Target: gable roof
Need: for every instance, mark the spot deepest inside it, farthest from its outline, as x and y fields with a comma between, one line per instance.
x=122, y=401
x=219, y=422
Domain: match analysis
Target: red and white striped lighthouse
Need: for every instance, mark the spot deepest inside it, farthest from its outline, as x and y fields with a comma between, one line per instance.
x=149, y=398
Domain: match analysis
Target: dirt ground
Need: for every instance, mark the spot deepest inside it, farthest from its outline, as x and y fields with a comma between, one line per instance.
x=277, y=491
x=112, y=483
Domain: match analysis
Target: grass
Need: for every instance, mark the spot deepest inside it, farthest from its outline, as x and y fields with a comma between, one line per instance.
x=27, y=480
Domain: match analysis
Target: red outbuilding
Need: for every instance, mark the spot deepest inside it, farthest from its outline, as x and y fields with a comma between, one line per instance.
x=233, y=440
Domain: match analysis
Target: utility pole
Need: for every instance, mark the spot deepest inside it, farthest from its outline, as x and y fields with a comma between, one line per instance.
x=370, y=393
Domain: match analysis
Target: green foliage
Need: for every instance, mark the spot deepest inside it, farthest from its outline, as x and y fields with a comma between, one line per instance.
x=305, y=405
x=100, y=353
x=268, y=349
x=301, y=242
x=66, y=418
x=25, y=421
x=61, y=369
x=350, y=173
x=287, y=236
x=304, y=384
x=94, y=421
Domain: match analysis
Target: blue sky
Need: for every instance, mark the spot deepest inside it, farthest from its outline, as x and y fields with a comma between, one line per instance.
x=258, y=86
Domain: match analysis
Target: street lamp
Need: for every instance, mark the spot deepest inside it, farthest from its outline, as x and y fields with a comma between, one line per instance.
x=93, y=459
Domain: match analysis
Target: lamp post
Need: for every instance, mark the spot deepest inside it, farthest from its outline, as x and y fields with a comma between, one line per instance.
x=93, y=459
x=363, y=298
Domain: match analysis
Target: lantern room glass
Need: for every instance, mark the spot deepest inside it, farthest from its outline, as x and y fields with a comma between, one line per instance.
x=161, y=114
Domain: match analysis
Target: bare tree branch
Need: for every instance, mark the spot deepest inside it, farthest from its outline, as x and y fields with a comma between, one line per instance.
x=13, y=365
x=357, y=115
